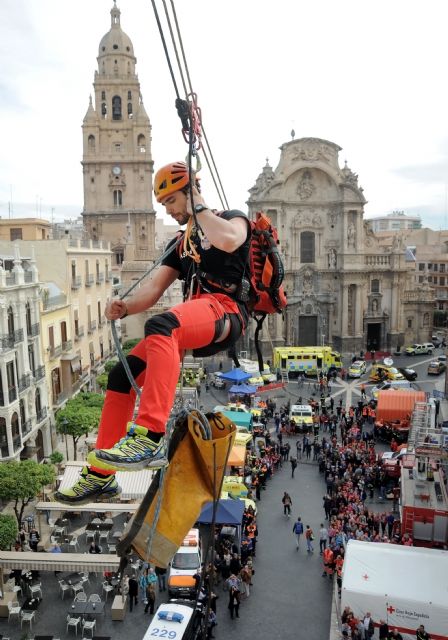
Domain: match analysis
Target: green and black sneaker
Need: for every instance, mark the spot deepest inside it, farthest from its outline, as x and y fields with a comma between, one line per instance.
x=89, y=488
x=134, y=452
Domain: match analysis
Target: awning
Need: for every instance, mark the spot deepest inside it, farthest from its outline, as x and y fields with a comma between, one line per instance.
x=75, y=365
x=237, y=456
x=134, y=484
x=93, y=507
x=73, y=562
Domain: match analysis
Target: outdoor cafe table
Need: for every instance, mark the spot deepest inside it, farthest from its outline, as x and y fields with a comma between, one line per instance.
x=104, y=526
x=87, y=608
x=31, y=604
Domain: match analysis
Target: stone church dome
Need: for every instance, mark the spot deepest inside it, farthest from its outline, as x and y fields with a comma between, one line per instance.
x=116, y=41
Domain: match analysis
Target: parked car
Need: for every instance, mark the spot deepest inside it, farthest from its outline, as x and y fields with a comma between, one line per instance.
x=357, y=369
x=394, y=455
x=420, y=349
x=436, y=367
x=217, y=382
x=438, y=341
x=409, y=374
x=381, y=372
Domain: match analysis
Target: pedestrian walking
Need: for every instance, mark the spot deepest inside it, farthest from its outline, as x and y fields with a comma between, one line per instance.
x=293, y=462
x=309, y=537
x=133, y=592
x=161, y=578
x=298, y=530
x=323, y=538
x=150, y=594
x=287, y=504
x=234, y=602
x=34, y=539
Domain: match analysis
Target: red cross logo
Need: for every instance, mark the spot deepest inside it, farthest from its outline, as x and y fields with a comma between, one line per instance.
x=365, y=576
x=390, y=609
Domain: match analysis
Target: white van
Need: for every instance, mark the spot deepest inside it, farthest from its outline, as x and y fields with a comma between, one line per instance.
x=185, y=564
x=175, y=620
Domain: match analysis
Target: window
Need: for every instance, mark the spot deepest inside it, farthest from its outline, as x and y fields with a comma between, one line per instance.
x=442, y=280
x=37, y=402
x=421, y=266
x=129, y=95
x=306, y=247
x=28, y=318
x=104, y=109
x=436, y=267
x=117, y=147
x=375, y=286
x=99, y=312
x=409, y=323
x=31, y=358
x=421, y=278
x=130, y=110
x=435, y=279
x=118, y=198
x=10, y=321
x=15, y=233
x=426, y=319
x=430, y=266
x=116, y=108
x=442, y=268
x=119, y=257
x=141, y=143
x=103, y=95
x=91, y=143
x=429, y=278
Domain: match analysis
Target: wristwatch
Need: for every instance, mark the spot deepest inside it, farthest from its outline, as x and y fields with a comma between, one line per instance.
x=199, y=208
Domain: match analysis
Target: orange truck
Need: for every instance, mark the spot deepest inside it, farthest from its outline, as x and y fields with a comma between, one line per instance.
x=393, y=413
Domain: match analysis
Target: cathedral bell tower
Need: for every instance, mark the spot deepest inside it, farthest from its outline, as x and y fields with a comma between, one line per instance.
x=117, y=163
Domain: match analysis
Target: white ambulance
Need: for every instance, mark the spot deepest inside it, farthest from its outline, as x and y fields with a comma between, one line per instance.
x=176, y=620
x=185, y=564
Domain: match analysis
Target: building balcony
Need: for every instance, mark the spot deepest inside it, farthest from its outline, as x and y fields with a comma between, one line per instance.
x=41, y=415
x=60, y=398
x=27, y=427
x=28, y=276
x=24, y=382
x=109, y=276
x=378, y=261
x=39, y=373
x=89, y=279
x=67, y=345
x=54, y=351
x=10, y=279
x=12, y=394
x=99, y=277
x=76, y=282
x=91, y=326
x=9, y=341
x=54, y=301
x=34, y=330
x=79, y=334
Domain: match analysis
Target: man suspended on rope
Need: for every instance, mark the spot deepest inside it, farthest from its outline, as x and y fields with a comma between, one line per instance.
x=211, y=259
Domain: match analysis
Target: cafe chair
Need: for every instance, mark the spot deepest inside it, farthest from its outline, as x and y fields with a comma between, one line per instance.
x=81, y=597
x=74, y=543
x=94, y=597
x=35, y=589
x=17, y=589
x=104, y=536
x=73, y=622
x=107, y=588
x=112, y=548
x=27, y=616
x=88, y=625
x=90, y=536
x=108, y=521
x=84, y=577
x=63, y=586
x=14, y=610
x=77, y=588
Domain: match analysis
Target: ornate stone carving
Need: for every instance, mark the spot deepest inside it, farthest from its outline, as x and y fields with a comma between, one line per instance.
x=312, y=152
x=333, y=216
x=332, y=259
x=351, y=235
x=307, y=282
x=306, y=186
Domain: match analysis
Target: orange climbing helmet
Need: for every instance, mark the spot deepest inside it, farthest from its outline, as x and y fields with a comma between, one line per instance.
x=170, y=178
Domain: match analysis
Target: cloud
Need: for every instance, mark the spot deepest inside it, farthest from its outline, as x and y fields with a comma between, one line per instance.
x=432, y=173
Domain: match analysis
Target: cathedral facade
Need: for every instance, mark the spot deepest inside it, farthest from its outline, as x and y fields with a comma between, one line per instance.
x=344, y=288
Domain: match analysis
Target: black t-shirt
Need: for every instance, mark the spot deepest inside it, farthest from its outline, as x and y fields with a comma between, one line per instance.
x=221, y=267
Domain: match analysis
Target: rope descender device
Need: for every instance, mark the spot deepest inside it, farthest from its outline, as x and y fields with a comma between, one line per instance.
x=191, y=117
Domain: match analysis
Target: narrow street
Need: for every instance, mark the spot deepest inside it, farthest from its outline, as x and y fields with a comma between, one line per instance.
x=289, y=598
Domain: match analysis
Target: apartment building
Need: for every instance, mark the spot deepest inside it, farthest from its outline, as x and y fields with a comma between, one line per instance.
x=24, y=417
x=395, y=221
x=24, y=229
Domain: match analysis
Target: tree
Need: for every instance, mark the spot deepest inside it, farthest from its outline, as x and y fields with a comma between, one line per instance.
x=110, y=364
x=21, y=482
x=101, y=381
x=129, y=345
x=8, y=532
x=56, y=457
x=80, y=416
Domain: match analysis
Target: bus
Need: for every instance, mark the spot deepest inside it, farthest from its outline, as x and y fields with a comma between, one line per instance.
x=307, y=360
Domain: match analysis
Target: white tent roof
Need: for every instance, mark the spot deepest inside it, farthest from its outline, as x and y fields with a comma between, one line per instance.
x=134, y=484
x=410, y=573
x=75, y=562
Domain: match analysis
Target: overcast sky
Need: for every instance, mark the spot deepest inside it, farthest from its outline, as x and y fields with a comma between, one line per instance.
x=369, y=75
